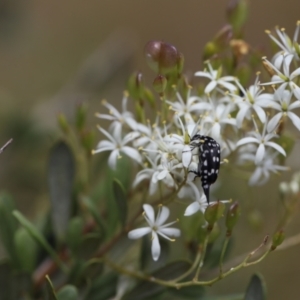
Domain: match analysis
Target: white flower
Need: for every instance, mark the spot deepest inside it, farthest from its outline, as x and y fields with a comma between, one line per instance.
x=218, y=119
x=262, y=171
x=253, y=99
x=116, y=144
x=284, y=106
x=217, y=80
x=199, y=205
x=287, y=45
x=263, y=141
x=156, y=227
x=193, y=104
x=286, y=78
x=118, y=118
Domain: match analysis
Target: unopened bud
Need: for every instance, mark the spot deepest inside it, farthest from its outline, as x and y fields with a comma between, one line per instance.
x=237, y=11
x=135, y=85
x=149, y=97
x=88, y=140
x=223, y=37
x=267, y=67
x=161, y=57
x=210, y=49
x=213, y=213
x=232, y=217
x=63, y=123
x=160, y=84
x=243, y=73
x=80, y=117
x=277, y=239
x=180, y=62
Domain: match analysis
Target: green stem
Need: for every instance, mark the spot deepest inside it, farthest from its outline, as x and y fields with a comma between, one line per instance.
x=224, y=248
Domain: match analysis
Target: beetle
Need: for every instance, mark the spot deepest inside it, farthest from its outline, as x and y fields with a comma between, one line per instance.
x=209, y=152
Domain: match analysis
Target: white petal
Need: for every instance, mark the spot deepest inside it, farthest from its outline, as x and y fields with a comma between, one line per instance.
x=294, y=105
x=153, y=187
x=149, y=211
x=137, y=233
x=260, y=153
x=274, y=122
x=276, y=147
x=162, y=216
x=112, y=160
x=163, y=174
x=241, y=115
x=254, y=179
x=186, y=156
x=192, y=209
x=247, y=140
x=215, y=131
x=261, y=113
x=295, y=119
x=210, y=87
x=132, y=153
x=203, y=74
x=155, y=248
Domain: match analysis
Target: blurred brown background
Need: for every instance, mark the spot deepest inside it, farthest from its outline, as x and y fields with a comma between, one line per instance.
x=54, y=54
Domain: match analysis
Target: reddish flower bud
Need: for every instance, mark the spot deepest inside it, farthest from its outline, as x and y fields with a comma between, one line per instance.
x=160, y=83
x=161, y=57
x=232, y=217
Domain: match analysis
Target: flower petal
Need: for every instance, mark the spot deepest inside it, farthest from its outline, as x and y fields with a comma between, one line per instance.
x=149, y=211
x=155, y=248
x=138, y=233
x=162, y=216
x=192, y=209
x=260, y=153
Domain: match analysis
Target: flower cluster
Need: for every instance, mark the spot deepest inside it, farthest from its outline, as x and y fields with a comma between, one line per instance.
x=242, y=120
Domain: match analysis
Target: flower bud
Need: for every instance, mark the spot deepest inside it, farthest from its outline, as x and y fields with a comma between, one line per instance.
x=63, y=123
x=237, y=11
x=180, y=62
x=213, y=213
x=243, y=73
x=277, y=239
x=135, y=85
x=161, y=57
x=80, y=116
x=210, y=49
x=88, y=140
x=232, y=217
x=223, y=37
x=160, y=84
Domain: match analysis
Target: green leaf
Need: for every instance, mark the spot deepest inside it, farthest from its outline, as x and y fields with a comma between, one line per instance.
x=37, y=236
x=61, y=171
x=256, y=289
x=121, y=201
x=8, y=226
x=75, y=234
x=103, y=287
x=26, y=249
x=50, y=293
x=68, y=292
x=89, y=245
x=148, y=290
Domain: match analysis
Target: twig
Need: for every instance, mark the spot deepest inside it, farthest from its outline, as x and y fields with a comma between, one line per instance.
x=5, y=145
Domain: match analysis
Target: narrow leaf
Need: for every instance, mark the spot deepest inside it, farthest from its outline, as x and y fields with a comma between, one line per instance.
x=256, y=288
x=8, y=226
x=121, y=201
x=50, y=293
x=37, y=236
x=61, y=170
x=68, y=292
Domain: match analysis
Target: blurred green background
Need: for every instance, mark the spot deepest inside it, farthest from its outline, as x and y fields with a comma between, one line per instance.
x=56, y=54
